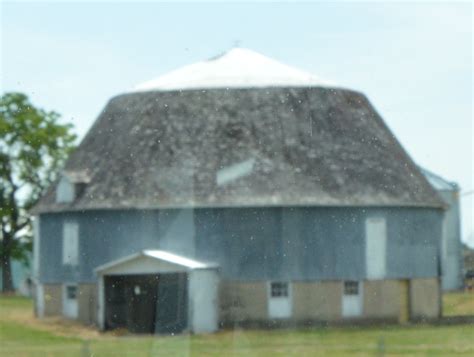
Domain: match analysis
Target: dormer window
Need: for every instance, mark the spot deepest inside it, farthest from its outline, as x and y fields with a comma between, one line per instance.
x=71, y=186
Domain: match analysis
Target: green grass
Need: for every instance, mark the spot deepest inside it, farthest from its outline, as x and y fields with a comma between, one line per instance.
x=458, y=304
x=18, y=337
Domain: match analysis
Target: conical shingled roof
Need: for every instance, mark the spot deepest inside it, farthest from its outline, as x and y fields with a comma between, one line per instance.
x=255, y=145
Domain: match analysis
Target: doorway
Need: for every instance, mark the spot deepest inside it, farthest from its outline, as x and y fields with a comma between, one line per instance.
x=404, y=314
x=352, y=299
x=69, y=299
x=376, y=248
x=147, y=303
x=279, y=300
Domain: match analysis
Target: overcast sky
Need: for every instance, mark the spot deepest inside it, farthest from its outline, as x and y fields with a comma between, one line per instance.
x=413, y=60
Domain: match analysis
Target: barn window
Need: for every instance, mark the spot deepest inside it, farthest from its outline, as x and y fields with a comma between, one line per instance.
x=71, y=292
x=65, y=191
x=71, y=186
x=351, y=288
x=235, y=171
x=70, y=243
x=375, y=247
x=279, y=289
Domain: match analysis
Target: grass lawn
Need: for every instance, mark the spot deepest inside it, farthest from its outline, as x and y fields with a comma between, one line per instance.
x=458, y=303
x=22, y=335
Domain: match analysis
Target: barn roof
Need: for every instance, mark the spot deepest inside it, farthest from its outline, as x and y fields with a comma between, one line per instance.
x=255, y=133
x=237, y=68
x=439, y=183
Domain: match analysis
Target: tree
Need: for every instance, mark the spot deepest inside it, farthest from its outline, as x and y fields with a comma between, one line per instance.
x=33, y=149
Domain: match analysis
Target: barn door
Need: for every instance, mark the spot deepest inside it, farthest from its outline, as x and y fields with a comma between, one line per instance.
x=141, y=297
x=172, y=303
x=70, y=305
x=115, y=302
x=375, y=247
x=352, y=299
x=279, y=299
x=404, y=315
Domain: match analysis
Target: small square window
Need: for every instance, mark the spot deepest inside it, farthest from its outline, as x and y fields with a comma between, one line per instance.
x=351, y=288
x=279, y=289
x=71, y=292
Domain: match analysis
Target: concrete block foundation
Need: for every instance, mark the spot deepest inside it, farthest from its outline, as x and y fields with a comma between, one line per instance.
x=246, y=303
x=53, y=300
x=425, y=299
x=87, y=301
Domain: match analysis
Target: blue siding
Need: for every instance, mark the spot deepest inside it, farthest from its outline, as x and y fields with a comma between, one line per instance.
x=249, y=243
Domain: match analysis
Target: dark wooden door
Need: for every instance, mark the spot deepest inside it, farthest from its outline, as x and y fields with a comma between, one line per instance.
x=115, y=302
x=172, y=303
x=141, y=294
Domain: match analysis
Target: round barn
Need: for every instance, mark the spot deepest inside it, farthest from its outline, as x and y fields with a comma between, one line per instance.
x=247, y=188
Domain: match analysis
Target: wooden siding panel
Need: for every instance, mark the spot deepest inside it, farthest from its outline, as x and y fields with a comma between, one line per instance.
x=250, y=243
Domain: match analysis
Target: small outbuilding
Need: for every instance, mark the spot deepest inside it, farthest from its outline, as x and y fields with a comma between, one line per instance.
x=451, y=246
x=156, y=291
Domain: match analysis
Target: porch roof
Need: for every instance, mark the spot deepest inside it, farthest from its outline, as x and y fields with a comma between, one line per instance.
x=158, y=255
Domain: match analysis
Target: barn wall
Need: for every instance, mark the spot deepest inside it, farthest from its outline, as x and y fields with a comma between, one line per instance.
x=382, y=299
x=87, y=302
x=242, y=301
x=425, y=299
x=246, y=302
x=317, y=300
x=315, y=243
x=451, y=242
x=249, y=243
x=53, y=300
x=203, y=300
x=105, y=236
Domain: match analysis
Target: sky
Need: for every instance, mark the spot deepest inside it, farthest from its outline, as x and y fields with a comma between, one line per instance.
x=412, y=60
